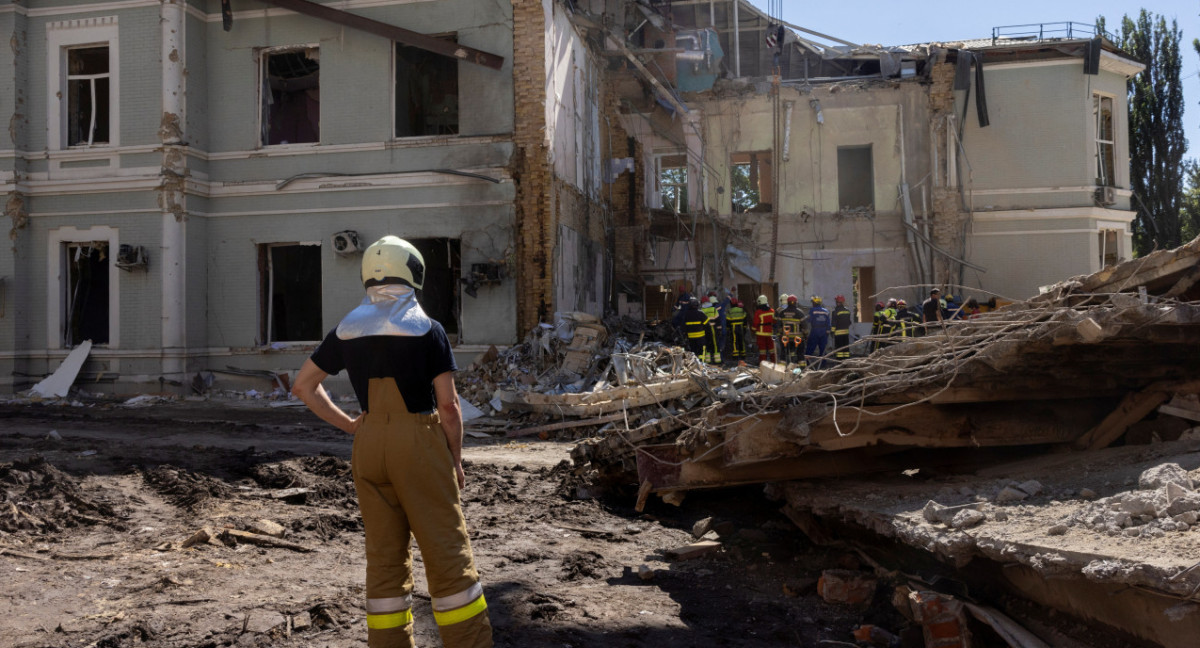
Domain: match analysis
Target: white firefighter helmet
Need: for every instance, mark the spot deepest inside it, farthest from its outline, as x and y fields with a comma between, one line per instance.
x=391, y=259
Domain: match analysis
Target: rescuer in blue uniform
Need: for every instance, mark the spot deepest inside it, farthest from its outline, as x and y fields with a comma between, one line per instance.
x=818, y=333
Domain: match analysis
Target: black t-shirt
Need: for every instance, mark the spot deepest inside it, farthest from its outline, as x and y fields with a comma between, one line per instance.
x=930, y=308
x=413, y=361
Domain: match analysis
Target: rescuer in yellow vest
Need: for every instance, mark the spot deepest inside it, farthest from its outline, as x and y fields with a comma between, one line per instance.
x=841, y=328
x=735, y=321
x=712, y=354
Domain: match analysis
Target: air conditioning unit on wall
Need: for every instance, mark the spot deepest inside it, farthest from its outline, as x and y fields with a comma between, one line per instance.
x=131, y=257
x=345, y=242
x=1106, y=195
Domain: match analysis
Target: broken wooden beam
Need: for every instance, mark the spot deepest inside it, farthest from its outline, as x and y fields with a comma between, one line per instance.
x=392, y=32
x=564, y=425
x=1133, y=408
x=262, y=540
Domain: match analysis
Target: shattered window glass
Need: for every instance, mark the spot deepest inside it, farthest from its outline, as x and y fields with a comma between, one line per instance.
x=87, y=96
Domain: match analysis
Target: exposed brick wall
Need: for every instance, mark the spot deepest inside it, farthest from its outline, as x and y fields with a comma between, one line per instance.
x=947, y=219
x=531, y=168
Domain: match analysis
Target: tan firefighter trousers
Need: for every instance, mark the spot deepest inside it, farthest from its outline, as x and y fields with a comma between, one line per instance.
x=406, y=484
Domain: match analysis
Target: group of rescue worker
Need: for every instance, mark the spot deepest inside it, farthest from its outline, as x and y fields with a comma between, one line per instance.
x=895, y=319
x=718, y=331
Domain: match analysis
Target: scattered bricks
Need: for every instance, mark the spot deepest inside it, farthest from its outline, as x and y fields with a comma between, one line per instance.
x=1188, y=517
x=302, y=621
x=847, y=587
x=967, y=518
x=1057, y=530
x=941, y=619
x=875, y=636
x=701, y=527
x=645, y=572
x=1010, y=494
x=1161, y=475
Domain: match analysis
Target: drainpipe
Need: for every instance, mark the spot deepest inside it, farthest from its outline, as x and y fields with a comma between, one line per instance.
x=171, y=193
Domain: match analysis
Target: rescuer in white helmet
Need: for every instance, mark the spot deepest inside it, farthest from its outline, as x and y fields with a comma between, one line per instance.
x=407, y=460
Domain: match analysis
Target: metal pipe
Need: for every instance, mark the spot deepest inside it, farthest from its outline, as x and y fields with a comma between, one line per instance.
x=787, y=130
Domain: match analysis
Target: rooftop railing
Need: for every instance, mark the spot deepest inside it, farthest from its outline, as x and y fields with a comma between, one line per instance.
x=1048, y=31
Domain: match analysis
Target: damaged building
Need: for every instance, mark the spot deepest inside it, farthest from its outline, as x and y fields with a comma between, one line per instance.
x=817, y=166
x=188, y=184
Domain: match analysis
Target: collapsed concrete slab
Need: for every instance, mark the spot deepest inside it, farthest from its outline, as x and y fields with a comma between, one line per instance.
x=1124, y=559
x=1074, y=367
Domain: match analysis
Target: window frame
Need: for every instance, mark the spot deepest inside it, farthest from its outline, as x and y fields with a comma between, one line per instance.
x=66, y=35
x=660, y=185
x=395, y=70
x=264, y=54
x=870, y=186
x=1098, y=99
x=266, y=292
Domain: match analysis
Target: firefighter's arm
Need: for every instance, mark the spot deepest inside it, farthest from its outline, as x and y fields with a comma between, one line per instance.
x=452, y=423
x=307, y=387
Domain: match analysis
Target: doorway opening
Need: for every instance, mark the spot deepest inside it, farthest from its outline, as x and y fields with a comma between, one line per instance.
x=86, y=299
x=290, y=285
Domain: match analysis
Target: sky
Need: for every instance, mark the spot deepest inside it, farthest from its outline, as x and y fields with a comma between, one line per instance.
x=893, y=23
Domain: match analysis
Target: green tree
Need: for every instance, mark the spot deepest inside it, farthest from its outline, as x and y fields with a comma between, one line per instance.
x=1156, y=140
x=1190, y=210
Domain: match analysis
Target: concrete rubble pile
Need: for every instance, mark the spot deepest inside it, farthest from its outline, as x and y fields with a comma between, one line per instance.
x=1080, y=365
x=585, y=377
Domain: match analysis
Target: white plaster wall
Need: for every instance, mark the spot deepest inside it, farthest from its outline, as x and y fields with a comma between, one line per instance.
x=572, y=115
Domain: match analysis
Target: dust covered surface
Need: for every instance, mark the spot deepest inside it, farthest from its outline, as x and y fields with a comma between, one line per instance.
x=95, y=517
x=1125, y=515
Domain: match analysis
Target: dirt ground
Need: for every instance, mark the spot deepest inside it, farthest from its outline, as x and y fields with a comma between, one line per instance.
x=97, y=501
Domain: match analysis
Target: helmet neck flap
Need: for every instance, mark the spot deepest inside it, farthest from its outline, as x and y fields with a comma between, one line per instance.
x=390, y=309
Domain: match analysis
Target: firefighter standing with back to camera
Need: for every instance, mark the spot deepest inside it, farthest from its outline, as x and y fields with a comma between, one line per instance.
x=407, y=458
x=790, y=323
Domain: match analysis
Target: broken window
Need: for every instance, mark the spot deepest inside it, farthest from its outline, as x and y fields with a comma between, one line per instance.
x=750, y=181
x=426, y=92
x=88, y=105
x=291, y=289
x=1102, y=108
x=86, y=299
x=856, y=178
x=1110, y=252
x=672, y=182
x=440, y=294
x=291, y=97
